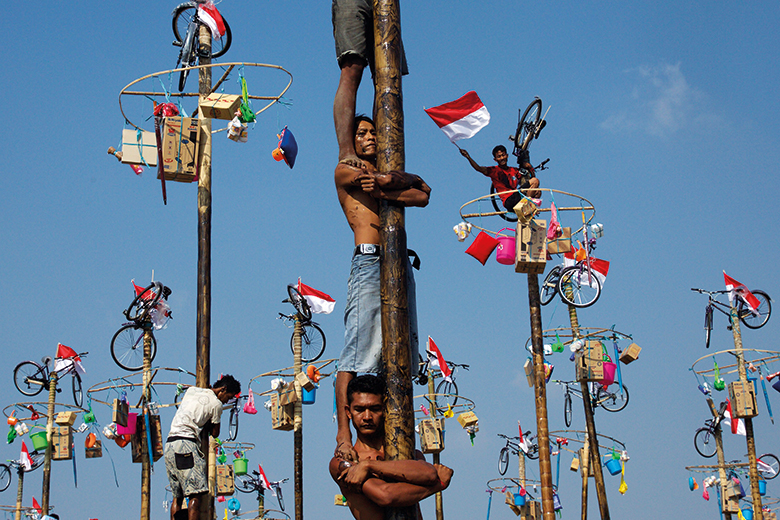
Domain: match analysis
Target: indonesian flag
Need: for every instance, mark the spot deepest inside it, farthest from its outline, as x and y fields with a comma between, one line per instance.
x=737, y=426
x=524, y=443
x=264, y=479
x=37, y=506
x=437, y=360
x=25, y=459
x=462, y=118
x=209, y=15
x=66, y=356
x=737, y=289
x=598, y=267
x=319, y=302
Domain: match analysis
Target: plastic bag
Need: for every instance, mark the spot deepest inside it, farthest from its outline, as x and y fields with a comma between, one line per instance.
x=249, y=406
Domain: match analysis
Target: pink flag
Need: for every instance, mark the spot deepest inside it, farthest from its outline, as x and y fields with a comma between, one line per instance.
x=437, y=360
x=209, y=15
x=737, y=289
x=25, y=459
x=462, y=118
x=319, y=302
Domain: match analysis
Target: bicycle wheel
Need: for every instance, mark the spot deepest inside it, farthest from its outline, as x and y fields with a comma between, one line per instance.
x=280, y=498
x=755, y=321
x=707, y=325
x=567, y=409
x=769, y=467
x=30, y=378
x=5, y=477
x=245, y=483
x=446, y=394
x=612, y=401
x=182, y=16
x=526, y=127
x=704, y=442
x=299, y=302
x=144, y=302
x=233, y=424
x=533, y=452
x=509, y=216
x=37, y=459
x=78, y=395
x=550, y=285
x=503, y=460
x=127, y=347
x=219, y=46
x=312, y=342
x=584, y=289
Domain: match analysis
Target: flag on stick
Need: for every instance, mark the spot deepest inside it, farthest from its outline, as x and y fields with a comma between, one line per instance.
x=462, y=118
x=319, y=302
x=209, y=15
x=598, y=267
x=25, y=459
x=264, y=479
x=66, y=356
x=737, y=289
x=436, y=360
x=737, y=425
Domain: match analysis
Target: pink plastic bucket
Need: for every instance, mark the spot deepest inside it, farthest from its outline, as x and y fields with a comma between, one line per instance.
x=130, y=428
x=609, y=373
x=505, y=252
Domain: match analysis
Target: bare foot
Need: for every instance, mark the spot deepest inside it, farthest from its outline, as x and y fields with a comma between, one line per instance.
x=352, y=160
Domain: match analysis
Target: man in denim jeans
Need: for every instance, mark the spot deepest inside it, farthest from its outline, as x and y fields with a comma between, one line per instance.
x=359, y=191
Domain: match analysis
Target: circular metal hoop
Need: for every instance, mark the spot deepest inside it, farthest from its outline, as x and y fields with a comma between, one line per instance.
x=579, y=436
x=41, y=408
x=271, y=99
x=584, y=205
x=243, y=446
x=760, y=357
x=497, y=484
x=122, y=383
x=586, y=333
x=467, y=406
x=712, y=468
x=289, y=372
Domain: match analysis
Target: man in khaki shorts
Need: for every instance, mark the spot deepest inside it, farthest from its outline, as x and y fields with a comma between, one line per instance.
x=199, y=413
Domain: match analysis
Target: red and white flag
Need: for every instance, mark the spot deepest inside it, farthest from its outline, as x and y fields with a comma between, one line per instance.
x=319, y=302
x=737, y=289
x=436, y=360
x=25, y=459
x=209, y=15
x=462, y=118
x=37, y=506
x=263, y=478
x=67, y=356
x=598, y=267
x=737, y=426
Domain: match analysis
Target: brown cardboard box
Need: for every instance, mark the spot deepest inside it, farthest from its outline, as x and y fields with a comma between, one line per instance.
x=528, y=367
x=96, y=451
x=121, y=409
x=288, y=395
x=589, y=362
x=531, y=247
x=65, y=418
x=138, y=443
x=180, y=148
x=743, y=399
x=468, y=419
x=304, y=381
x=225, y=480
x=432, y=435
x=561, y=244
x=220, y=106
x=732, y=505
x=62, y=443
x=282, y=416
x=143, y=151
x=532, y=510
x=630, y=354
x=770, y=515
x=575, y=464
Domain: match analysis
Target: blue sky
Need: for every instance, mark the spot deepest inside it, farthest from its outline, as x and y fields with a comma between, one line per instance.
x=662, y=114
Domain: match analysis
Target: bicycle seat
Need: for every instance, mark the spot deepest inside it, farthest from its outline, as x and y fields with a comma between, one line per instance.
x=166, y=292
x=46, y=360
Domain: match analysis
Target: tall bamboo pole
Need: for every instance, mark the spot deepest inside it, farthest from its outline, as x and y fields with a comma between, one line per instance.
x=49, y=441
x=436, y=456
x=19, y=494
x=540, y=395
x=146, y=464
x=595, y=457
x=298, y=424
x=388, y=103
x=750, y=438
x=203, y=337
x=721, y=469
x=585, y=471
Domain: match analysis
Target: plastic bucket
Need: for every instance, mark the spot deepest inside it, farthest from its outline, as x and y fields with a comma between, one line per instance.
x=747, y=513
x=762, y=487
x=519, y=500
x=609, y=373
x=130, y=428
x=309, y=396
x=240, y=466
x=613, y=466
x=39, y=440
x=506, y=250
x=482, y=247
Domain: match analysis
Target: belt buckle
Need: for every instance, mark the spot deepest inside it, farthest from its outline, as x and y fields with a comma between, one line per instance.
x=368, y=249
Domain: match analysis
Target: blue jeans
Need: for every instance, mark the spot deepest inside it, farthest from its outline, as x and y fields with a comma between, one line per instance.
x=363, y=318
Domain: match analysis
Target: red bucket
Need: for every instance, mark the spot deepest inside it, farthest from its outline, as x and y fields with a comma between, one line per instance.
x=505, y=253
x=482, y=247
x=609, y=373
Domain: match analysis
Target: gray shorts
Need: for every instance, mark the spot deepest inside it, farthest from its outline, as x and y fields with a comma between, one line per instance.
x=185, y=482
x=353, y=30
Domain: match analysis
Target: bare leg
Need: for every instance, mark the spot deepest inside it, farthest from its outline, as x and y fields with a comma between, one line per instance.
x=344, y=448
x=175, y=507
x=194, y=508
x=344, y=109
x=534, y=183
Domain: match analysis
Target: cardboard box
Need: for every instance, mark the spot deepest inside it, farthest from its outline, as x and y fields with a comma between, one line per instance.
x=288, y=395
x=467, y=419
x=575, y=464
x=121, y=409
x=180, y=149
x=589, y=365
x=220, y=106
x=743, y=399
x=630, y=354
x=304, y=381
x=225, y=480
x=282, y=416
x=525, y=210
x=528, y=367
x=140, y=150
x=65, y=418
x=531, y=247
x=732, y=506
x=432, y=435
x=138, y=443
x=96, y=451
x=532, y=510
x=561, y=244
x=62, y=443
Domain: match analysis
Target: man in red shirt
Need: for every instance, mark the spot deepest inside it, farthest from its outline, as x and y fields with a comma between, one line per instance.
x=506, y=178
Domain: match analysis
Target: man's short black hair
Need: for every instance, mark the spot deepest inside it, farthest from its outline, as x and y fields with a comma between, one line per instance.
x=362, y=117
x=499, y=148
x=230, y=384
x=366, y=384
